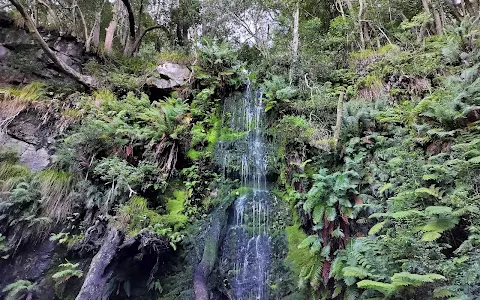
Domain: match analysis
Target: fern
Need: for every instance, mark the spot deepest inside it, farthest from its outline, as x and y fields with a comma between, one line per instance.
x=68, y=270
x=19, y=289
x=387, y=289
x=356, y=272
x=431, y=191
x=376, y=228
x=409, y=279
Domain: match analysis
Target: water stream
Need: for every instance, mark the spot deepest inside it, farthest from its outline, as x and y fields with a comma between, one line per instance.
x=246, y=249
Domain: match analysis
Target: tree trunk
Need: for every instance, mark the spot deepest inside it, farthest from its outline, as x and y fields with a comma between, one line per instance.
x=131, y=19
x=423, y=28
x=295, y=45
x=87, y=81
x=426, y=6
x=210, y=253
x=35, y=12
x=129, y=46
x=360, y=25
x=438, y=21
x=84, y=25
x=338, y=126
x=95, y=33
x=112, y=27
x=455, y=9
x=100, y=271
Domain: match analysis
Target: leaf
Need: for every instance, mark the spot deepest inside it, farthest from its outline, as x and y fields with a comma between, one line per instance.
x=318, y=212
x=379, y=215
x=356, y=272
x=475, y=160
x=385, y=187
x=441, y=224
x=415, y=279
x=430, y=236
x=376, y=228
x=331, y=213
x=438, y=210
x=442, y=292
x=386, y=289
x=338, y=290
x=309, y=241
x=326, y=251
x=406, y=214
x=338, y=233
x=428, y=191
x=427, y=177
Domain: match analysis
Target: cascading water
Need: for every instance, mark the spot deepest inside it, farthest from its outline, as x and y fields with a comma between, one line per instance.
x=246, y=249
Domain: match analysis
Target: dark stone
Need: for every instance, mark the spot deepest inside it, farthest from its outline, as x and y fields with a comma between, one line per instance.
x=31, y=264
x=23, y=61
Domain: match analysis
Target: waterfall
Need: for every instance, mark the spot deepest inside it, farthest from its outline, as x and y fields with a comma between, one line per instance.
x=245, y=252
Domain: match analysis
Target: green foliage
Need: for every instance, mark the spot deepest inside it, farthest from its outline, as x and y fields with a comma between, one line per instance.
x=66, y=272
x=27, y=94
x=330, y=191
x=299, y=258
x=218, y=65
x=175, y=208
x=400, y=281
x=136, y=217
x=20, y=289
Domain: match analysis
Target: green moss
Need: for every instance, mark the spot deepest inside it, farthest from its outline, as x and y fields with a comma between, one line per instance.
x=211, y=137
x=137, y=215
x=214, y=133
x=362, y=54
x=198, y=134
x=297, y=258
x=241, y=191
x=229, y=135
x=194, y=154
x=175, y=207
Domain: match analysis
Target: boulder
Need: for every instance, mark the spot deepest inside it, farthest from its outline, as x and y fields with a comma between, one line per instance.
x=31, y=157
x=31, y=139
x=169, y=75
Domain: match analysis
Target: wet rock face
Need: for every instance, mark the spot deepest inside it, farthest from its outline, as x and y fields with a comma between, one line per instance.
x=169, y=75
x=31, y=139
x=29, y=265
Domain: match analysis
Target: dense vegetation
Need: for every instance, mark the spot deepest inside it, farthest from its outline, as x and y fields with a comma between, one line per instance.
x=373, y=116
